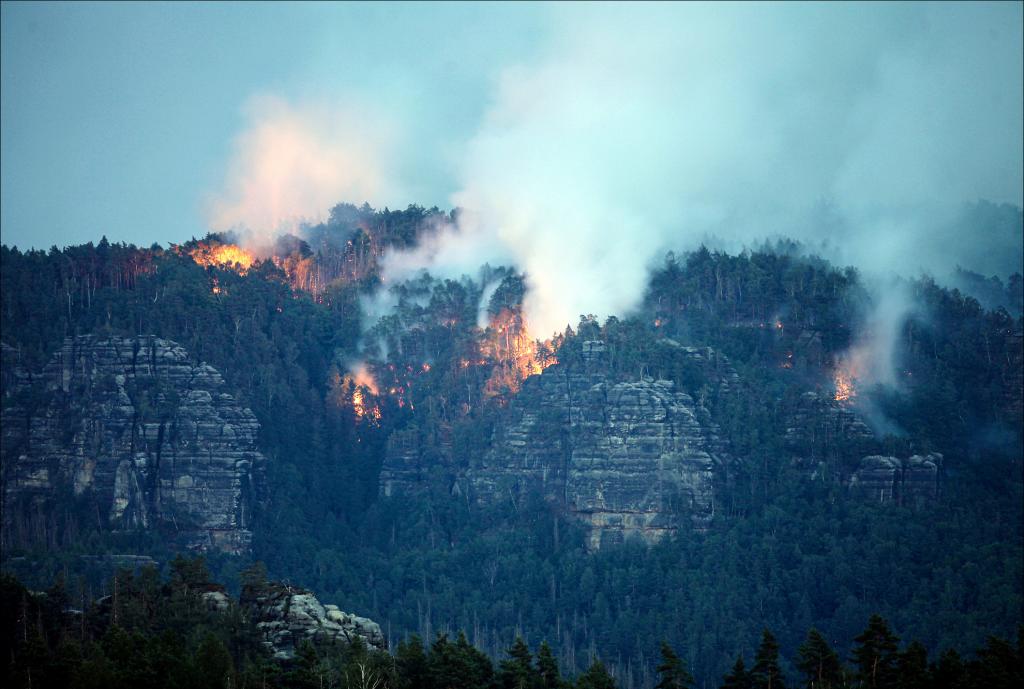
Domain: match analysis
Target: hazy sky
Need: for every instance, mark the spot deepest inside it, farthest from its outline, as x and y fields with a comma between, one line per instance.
x=599, y=132
x=120, y=118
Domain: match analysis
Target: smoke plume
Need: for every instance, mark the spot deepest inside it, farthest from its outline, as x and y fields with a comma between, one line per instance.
x=294, y=162
x=861, y=134
x=860, y=130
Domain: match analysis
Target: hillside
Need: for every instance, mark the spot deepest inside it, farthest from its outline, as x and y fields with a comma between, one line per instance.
x=720, y=461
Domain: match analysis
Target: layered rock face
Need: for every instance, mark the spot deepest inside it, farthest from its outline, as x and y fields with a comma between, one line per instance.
x=626, y=457
x=821, y=430
x=149, y=438
x=286, y=616
x=891, y=479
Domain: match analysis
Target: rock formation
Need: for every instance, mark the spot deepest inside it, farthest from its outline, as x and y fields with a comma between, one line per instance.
x=138, y=434
x=625, y=456
x=822, y=430
x=286, y=616
x=890, y=479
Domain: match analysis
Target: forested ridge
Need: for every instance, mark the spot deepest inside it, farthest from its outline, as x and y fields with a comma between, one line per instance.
x=162, y=632
x=788, y=550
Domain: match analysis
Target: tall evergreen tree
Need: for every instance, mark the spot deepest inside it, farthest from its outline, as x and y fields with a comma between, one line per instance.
x=517, y=671
x=738, y=678
x=948, y=672
x=673, y=670
x=875, y=655
x=819, y=664
x=596, y=677
x=547, y=667
x=411, y=663
x=766, y=673
x=913, y=667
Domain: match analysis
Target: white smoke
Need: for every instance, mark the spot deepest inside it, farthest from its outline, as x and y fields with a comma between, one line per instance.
x=860, y=130
x=294, y=162
x=655, y=128
x=873, y=359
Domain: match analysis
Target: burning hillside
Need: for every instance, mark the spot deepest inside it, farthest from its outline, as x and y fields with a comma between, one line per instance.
x=515, y=353
x=845, y=383
x=210, y=253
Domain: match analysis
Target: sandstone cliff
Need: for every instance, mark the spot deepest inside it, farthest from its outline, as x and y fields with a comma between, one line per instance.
x=137, y=436
x=628, y=457
x=891, y=479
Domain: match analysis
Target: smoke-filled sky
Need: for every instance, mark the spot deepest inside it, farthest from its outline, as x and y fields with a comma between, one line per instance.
x=583, y=140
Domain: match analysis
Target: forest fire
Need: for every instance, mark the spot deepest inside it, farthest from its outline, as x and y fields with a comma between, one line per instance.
x=516, y=354
x=232, y=256
x=844, y=382
x=363, y=385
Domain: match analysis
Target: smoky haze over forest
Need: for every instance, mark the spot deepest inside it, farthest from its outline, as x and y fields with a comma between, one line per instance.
x=861, y=131
x=615, y=133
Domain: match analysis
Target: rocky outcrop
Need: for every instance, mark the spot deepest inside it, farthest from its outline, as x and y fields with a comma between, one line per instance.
x=139, y=434
x=628, y=457
x=823, y=430
x=885, y=479
x=286, y=616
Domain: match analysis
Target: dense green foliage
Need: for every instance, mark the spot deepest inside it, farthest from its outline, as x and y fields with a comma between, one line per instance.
x=785, y=552
x=161, y=633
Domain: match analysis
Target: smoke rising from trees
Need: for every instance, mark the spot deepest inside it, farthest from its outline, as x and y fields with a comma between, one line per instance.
x=861, y=131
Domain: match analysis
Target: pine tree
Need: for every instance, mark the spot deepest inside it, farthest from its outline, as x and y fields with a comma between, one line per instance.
x=739, y=678
x=596, y=677
x=547, y=667
x=673, y=670
x=517, y=671
x=998, y=665
x=411, y=663
x=875, y=655
x=819, y=663
x=766, y=673
x=948, y=673
x=913, y=667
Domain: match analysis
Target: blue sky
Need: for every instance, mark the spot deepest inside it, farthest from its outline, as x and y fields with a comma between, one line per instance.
x=118, y=118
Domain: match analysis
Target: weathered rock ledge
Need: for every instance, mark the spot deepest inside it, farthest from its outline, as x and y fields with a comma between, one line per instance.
x=134, y=432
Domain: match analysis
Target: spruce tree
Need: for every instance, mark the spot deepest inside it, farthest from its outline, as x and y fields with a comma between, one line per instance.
x=875, y=655
x=913, y=667
x=596, y=677
x=739, y=678
x=547, y=667
x=766, y=673
x=411, y=663
x=517, y=671
x=819, y=663
x=673, y=670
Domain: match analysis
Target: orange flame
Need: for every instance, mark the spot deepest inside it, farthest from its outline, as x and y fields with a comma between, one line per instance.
x=844, y=382
x=223, y=256
x=364, y=385
x=515, y=352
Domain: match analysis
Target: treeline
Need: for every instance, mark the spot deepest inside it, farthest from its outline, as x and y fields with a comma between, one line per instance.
x=155, y=632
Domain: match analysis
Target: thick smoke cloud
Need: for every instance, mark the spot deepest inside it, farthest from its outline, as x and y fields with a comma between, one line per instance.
x=294, y=162
x=860, y=130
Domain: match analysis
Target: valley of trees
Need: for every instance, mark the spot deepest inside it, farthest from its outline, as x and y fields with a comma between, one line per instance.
x=790, y=550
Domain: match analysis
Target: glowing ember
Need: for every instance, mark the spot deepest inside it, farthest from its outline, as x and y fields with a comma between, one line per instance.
x=363, y=386
x=845, y=390
x=223, y=256
x=516, y=354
